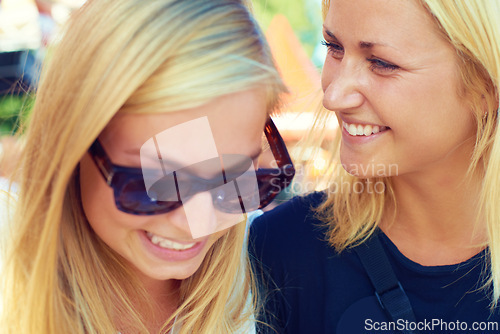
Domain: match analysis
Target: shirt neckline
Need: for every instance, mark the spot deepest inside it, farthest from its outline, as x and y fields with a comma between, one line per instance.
x=442, y=269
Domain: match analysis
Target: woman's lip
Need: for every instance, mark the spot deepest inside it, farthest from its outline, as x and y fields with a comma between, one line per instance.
x=363, y=124
x=362, y=128
x=358, y=122
x=172, y=255
x=184, y=242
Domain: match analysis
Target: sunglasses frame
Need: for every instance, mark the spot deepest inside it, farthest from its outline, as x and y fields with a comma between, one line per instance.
x=284, y=173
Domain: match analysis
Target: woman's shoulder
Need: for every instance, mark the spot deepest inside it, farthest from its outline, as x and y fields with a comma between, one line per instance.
x=290, y=225
x=296, y=210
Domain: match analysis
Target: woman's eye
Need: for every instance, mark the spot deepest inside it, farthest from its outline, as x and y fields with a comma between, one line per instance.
x=378, y=65
x=336, y=50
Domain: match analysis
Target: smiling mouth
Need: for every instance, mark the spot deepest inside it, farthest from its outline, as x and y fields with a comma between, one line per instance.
x=168, y=244
x=363, y=130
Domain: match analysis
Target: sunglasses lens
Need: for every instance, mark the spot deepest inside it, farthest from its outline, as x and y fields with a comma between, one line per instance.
x=236, y=196
x=240, y=183
x=240, y=192
x=133, y=198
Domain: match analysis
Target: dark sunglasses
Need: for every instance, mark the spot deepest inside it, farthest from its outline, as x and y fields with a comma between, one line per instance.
x=132, y=197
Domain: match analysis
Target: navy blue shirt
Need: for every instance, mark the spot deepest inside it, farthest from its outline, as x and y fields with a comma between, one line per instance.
x=307, y=287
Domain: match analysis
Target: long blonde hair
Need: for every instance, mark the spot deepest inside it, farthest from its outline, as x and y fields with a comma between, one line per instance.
x=128, y=56
x=473, y=28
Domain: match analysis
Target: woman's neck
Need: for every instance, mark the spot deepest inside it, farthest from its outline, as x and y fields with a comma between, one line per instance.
x=436, y=220
x=165, y=296
x=163, y=300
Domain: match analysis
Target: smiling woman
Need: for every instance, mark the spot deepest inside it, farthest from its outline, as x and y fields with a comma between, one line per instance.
x=93, y=246
x=414, y=86
x=360, y=70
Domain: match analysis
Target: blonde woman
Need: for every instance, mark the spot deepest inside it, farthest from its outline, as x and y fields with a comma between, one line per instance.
x=413, y=199
x=93, y=247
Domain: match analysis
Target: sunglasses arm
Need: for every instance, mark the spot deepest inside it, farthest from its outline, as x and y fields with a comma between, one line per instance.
x=277, y=145
x=102, y=161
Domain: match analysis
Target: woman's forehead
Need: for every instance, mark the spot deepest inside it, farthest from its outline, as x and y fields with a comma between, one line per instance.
x=380, y=21
x=233, y=123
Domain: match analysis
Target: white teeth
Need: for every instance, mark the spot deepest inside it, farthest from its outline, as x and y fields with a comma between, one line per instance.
x=164, y=243
x=363, y=130
x=367, y=130
x=360, y=130
x=352, y=129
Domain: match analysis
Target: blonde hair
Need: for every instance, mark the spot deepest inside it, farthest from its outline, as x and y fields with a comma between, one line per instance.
x=131, y=56
x=472, y=28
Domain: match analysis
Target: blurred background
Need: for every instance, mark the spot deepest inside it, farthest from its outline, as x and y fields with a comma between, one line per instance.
x=292, y=28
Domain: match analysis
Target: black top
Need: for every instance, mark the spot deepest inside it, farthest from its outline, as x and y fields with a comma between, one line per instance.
x=310, y=288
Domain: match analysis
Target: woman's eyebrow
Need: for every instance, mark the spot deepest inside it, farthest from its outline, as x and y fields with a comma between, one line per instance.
x=329, y=33
x=369, y=45
x=362, y=44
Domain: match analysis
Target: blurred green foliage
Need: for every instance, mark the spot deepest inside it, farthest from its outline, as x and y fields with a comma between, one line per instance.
x=13, y=111
x=304, y=17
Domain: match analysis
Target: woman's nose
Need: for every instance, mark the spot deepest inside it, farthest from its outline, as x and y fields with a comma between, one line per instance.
x=341, y=81
x=199, y=217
